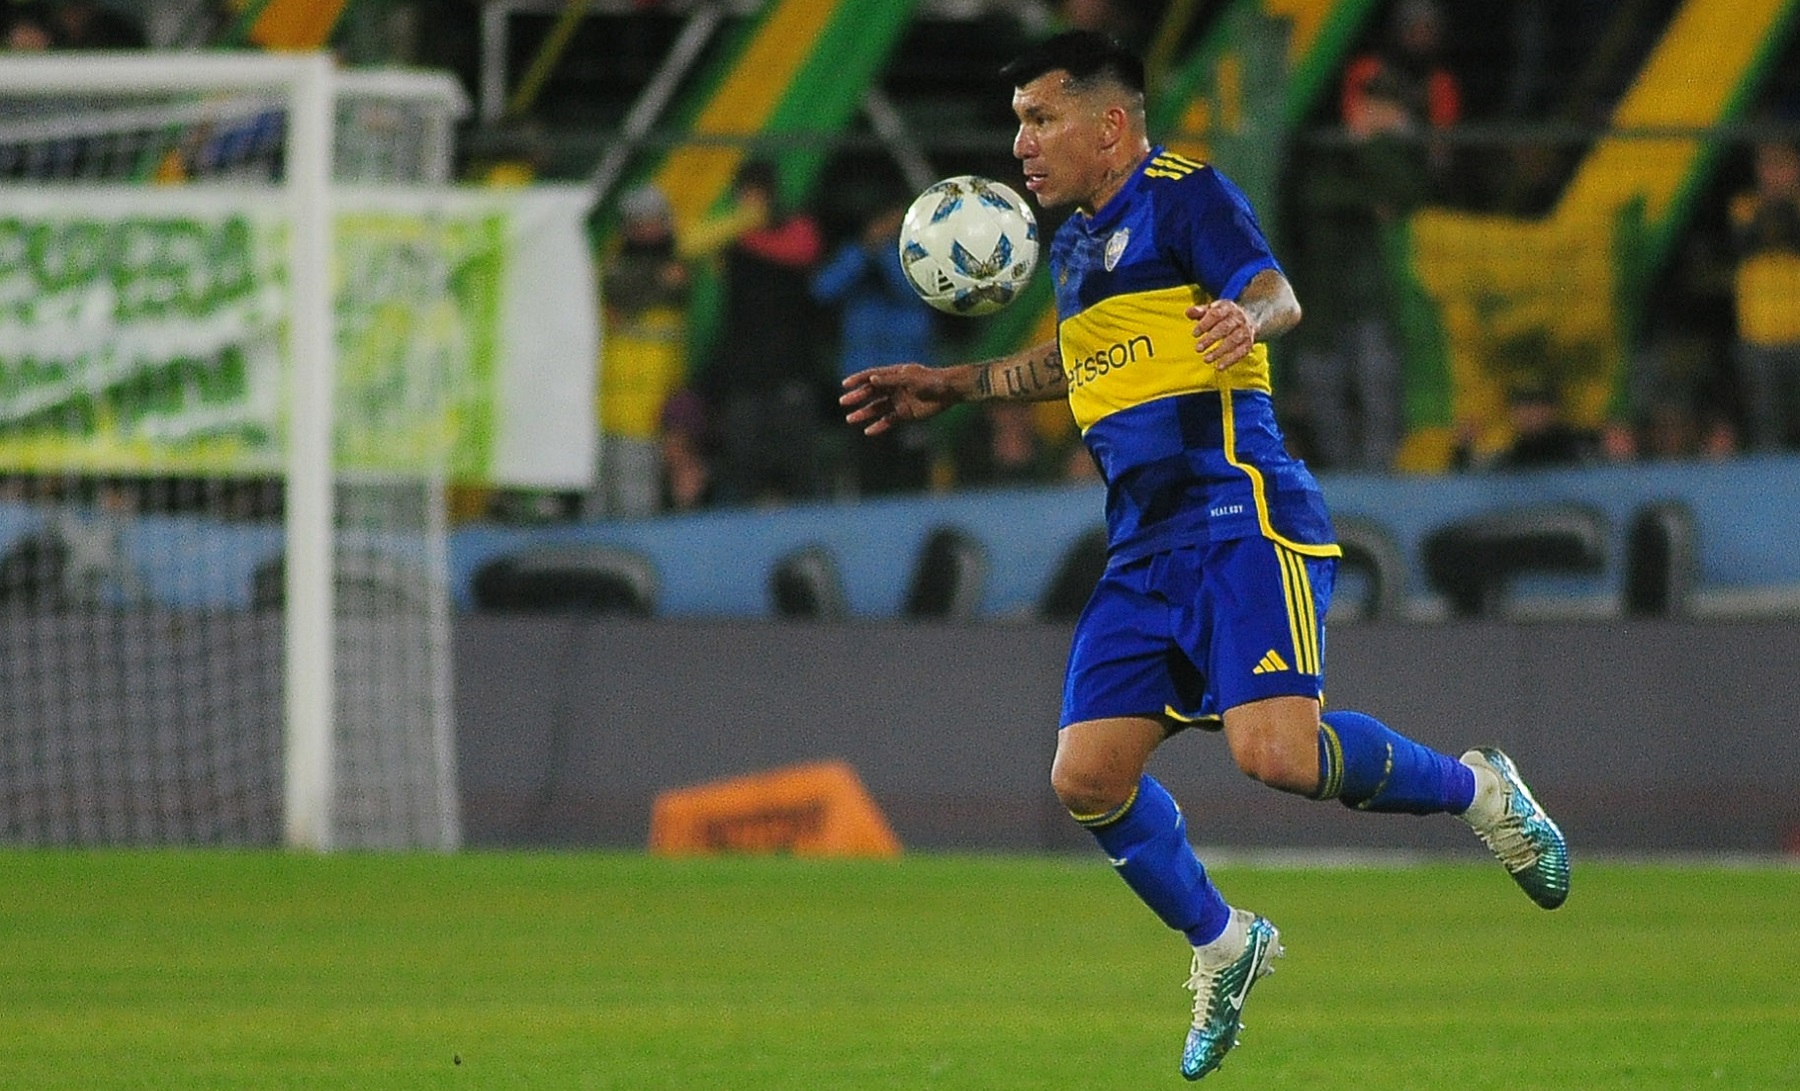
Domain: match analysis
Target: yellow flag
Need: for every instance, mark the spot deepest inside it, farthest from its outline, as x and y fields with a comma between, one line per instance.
x=295, y=24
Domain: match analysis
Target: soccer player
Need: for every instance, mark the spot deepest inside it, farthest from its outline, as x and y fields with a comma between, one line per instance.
x=1221, y=554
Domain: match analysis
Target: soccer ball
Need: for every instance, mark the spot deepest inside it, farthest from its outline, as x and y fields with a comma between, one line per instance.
x=968, y=245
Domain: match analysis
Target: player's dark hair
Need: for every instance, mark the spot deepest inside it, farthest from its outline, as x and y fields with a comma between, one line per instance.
x=1086, y=55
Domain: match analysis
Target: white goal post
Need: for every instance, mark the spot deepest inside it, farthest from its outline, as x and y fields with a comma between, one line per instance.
x=183, y=96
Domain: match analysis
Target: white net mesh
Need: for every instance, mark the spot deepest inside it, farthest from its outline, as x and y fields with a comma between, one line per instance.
x=145, y=537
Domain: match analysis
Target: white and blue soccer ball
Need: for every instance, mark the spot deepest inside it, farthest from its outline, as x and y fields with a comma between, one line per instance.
x=969, y=245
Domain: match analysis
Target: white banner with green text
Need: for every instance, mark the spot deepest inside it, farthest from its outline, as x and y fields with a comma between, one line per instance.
x=145, y=331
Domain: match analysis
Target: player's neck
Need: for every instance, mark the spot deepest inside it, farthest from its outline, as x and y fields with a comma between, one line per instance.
x=1117, y=174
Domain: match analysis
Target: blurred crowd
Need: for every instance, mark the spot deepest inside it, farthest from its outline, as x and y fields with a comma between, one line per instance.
x=725, y=339
x=745, y=414
x=1713, y=368
x=40, y=25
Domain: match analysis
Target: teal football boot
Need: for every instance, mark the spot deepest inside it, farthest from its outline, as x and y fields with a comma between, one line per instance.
x=1221, y=984
x=1523, y=836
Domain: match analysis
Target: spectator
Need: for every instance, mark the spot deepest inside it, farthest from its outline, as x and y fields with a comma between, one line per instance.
x=1117, y=19
x=1765, y=227
x=880, y=321
x=88, y=24
x=764, y=379
x=1671, y=431
x=1718, y=436
x=687, y=452
x=1410, y=63
x=1347, y=366
x=1618, y=442
x=644, y=288
x=511, y=156
x=1542, y=435
x=28, y=28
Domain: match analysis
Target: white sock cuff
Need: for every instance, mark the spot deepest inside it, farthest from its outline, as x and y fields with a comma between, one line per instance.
x=1489, y=796
x=1231, y=942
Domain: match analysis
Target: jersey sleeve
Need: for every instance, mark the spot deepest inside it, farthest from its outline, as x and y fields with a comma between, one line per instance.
x=1217, y=234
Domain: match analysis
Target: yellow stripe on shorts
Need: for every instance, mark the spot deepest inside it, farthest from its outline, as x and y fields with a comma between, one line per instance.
x=1303, y=620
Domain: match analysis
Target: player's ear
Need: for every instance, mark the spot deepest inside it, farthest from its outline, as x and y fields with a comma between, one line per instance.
x=1112, y=125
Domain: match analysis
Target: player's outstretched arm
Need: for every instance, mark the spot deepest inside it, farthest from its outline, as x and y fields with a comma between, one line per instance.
x=881, y=397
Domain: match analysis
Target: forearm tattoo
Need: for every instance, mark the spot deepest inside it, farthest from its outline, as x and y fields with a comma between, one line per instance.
x=1269, y=304
x=1034, y=377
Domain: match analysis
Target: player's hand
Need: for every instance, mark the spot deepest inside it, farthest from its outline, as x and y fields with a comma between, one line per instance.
x=1223, y=332
x=881, y=397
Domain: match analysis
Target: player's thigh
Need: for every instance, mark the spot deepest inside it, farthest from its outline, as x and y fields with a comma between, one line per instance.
x=1257, y=622
x=1120, y=654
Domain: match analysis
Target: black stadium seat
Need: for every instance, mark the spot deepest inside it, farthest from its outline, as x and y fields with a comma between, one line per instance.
x=1662, y=560
x=1076, y=574
x=947, y=576
x=807, y=584
x=34, y=574
x=367, y=582
x=1472, y=562
x=573, y=579
x=1372, y=555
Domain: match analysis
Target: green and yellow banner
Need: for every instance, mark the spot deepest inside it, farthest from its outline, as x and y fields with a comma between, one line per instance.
x=146, y=331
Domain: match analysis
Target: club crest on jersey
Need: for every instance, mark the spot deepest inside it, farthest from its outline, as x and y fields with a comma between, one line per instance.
x=1115, y=247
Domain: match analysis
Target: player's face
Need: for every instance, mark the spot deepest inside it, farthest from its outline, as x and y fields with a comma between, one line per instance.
x=1060, y=142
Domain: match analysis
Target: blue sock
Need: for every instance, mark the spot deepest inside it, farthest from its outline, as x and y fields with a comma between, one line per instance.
x=1365, y=765
x=1146, y=839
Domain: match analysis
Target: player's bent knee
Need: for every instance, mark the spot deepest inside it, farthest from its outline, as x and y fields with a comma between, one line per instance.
x=1099, y=762
x=1270, y=760
x=1088, y=791
x=1276, y=741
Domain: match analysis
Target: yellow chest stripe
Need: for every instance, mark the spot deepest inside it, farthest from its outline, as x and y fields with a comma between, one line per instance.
x=1132, y=349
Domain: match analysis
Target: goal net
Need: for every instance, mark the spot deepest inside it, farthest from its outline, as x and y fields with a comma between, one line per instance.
x=224, y=436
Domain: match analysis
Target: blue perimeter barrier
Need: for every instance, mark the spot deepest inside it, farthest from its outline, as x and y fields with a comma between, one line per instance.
x=717, y=564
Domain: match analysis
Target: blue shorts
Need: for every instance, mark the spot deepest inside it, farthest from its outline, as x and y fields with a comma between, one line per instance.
x=1186, y=634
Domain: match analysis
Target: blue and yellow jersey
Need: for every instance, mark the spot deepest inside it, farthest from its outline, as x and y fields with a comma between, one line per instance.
x=1189, y=453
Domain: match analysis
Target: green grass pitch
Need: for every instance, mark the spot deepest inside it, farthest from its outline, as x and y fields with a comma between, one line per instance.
x=490, y=970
